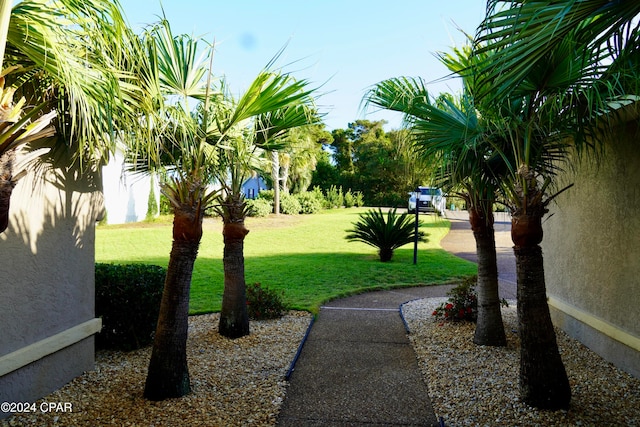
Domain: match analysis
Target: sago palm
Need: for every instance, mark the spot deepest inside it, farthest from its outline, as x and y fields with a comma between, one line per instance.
x=385, y=231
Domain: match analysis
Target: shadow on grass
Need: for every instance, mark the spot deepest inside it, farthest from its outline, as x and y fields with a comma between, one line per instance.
x=309, y=280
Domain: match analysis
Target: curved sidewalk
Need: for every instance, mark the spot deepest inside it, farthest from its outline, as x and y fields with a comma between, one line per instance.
x=357, y=366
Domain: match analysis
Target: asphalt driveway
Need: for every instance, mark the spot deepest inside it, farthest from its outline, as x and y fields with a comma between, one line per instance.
x=461, y=243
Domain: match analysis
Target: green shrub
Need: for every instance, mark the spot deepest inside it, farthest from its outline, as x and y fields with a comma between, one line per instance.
x=264, y=303
x=128, y=300
x=349, y=199
x=385, y=232
x=461, y=305
x=358, y=199
x=334, y=197
x=353, y=199
x=289, y=205
x=317, y=191
x=165, y=205
x=259, y=207
x=309, y=201
x=267, y=195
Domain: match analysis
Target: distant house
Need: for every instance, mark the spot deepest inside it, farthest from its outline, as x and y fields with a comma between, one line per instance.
x=252, y=186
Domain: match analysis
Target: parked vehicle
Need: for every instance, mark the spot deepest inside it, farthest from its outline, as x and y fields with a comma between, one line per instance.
x=427, y=199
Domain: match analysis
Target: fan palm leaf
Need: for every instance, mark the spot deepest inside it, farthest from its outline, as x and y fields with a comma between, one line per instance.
x=524, y=32
x=83, y=50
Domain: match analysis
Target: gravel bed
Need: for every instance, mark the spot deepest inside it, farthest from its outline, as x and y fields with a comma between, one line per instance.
x=241, y=382
x=234, y=382
x=472, y=385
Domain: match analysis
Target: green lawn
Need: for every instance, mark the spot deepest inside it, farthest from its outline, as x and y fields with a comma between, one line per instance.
x=306, y=256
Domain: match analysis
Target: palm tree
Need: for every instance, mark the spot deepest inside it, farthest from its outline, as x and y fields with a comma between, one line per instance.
x=556, y=64
x=198, y=147
x=525, y=32
x=67, y=59
x=16, y=131
x=454, y=134
x=304, y=151
x=173, y=78
x=287, y=105
x=548, y=109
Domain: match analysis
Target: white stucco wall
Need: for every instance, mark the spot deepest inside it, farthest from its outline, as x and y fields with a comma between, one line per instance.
x=592, y=252
x=47, y=309
x=126, y=194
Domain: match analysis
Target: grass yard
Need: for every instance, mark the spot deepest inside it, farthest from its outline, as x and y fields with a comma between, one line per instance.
x=306, y=257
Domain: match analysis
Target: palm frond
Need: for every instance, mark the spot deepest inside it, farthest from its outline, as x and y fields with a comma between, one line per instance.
x=524, y=32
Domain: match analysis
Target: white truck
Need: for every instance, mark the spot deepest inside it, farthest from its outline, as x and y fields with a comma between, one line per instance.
x=427, y=199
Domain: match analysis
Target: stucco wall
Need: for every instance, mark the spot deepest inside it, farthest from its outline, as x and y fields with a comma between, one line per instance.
x=126, y=194
x=592, y=252
x=47, y=284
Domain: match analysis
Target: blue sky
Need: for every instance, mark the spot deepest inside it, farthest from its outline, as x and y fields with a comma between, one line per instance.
x=346, y=46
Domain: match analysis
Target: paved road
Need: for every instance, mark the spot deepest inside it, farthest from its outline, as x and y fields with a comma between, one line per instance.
x=460, y=241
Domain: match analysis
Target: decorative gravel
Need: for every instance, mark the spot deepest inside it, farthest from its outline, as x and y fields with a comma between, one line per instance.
x=234, y=382
x=241, y=382
x=472, y=385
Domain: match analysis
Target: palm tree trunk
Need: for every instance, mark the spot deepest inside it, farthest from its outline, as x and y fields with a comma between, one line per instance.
x=489, y=326
x=543, y=379
x=6, y=186
x=234, y=318
x=275, y=176
x=168, y=374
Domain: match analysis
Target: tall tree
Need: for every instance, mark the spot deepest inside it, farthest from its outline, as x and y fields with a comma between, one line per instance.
x=285, y=103
x=453, y=136
x=549, y=74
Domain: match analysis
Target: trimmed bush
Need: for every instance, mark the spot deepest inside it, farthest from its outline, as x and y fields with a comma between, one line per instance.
x=289, y=205
x=309, y=202
x=259, y=207
x=264, y=303
x=128, y=300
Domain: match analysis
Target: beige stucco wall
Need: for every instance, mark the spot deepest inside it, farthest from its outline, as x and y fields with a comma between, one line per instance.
x=592, y=252
x=47, y=284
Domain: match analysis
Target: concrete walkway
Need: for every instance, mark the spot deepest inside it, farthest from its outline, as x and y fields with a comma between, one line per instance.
x=357, y=366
